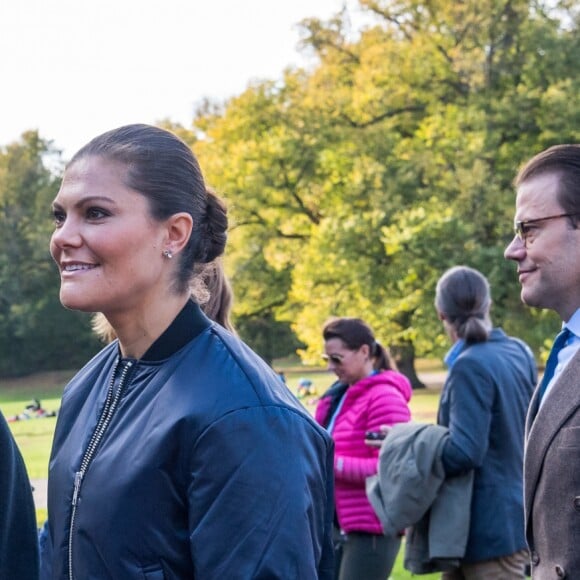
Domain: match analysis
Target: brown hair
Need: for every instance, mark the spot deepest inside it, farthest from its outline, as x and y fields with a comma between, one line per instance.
x=354, y=332
x=215, y=295
x=162, y=167
x=564, y=162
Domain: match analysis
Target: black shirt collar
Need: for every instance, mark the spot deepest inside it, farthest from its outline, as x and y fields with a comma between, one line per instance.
x=189, y=323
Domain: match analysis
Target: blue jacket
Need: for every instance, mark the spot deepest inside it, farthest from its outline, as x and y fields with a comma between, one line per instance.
x=208, y=468
x=484, y=403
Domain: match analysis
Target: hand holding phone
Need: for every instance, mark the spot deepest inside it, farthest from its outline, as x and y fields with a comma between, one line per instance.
x=375, y=435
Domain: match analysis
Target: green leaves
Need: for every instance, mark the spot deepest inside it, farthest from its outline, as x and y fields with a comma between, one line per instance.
x=36, y=332
x=353, y=185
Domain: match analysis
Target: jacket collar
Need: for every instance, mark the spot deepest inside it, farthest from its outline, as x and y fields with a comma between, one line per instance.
x=188, y=324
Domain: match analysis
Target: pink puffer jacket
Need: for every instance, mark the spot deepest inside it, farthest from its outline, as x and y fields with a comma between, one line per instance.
x=380, y=399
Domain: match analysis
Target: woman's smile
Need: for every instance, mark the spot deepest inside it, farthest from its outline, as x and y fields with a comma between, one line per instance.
x=106, y=243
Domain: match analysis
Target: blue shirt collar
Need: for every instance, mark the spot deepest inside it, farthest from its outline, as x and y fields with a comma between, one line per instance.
x=454, y=352
x=574, y=323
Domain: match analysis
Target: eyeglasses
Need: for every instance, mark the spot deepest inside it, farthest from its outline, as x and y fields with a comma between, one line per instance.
x=333, y=358
x=522, y=227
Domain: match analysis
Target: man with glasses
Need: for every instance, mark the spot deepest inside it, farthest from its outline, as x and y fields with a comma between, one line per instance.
x=546, y=248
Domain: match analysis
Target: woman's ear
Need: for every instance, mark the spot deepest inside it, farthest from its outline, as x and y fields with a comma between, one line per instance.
x=179, y=227
x=366, y=350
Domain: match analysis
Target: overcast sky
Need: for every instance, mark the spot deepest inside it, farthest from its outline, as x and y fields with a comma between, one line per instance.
x=75, y=68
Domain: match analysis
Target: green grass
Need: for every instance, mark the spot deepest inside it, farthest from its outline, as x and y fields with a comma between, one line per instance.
x=34, y=436
x=399, y=573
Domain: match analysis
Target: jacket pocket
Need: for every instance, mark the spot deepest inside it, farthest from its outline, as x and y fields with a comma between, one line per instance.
x=569, y=438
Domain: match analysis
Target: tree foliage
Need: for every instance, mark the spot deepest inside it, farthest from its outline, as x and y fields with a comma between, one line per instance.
x=355, y=184
x=352, y=184
x=36, y=332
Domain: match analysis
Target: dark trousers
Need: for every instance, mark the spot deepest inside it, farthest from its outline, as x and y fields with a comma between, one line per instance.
x=369, y=556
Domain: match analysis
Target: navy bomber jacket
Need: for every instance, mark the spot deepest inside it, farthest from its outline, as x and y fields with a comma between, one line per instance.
x=205, y=467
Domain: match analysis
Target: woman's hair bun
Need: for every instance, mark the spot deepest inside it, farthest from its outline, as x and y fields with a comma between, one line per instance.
x=214, y=228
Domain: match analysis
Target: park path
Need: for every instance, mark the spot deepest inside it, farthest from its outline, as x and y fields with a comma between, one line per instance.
x=39, y=489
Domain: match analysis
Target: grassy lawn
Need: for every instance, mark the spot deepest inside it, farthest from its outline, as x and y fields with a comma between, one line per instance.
x=399, y=573
x=34, y=436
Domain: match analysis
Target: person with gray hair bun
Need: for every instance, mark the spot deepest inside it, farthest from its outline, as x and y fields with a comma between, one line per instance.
x=483, y=404
x=178, y=453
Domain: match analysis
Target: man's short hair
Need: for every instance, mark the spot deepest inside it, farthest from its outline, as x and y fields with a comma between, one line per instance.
x=564, y=162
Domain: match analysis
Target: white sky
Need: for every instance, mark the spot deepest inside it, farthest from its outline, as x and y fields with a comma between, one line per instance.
x=75, y=68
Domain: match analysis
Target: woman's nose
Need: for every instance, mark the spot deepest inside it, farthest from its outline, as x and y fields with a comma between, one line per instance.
x=67, y=234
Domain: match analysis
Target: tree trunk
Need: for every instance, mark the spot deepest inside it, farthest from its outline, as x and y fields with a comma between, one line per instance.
x=404, y=356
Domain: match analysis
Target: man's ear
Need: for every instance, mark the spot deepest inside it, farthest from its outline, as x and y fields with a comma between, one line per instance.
x=179, y=228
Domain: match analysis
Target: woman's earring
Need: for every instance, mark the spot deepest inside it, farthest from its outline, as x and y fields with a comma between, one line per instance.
x=168, y=254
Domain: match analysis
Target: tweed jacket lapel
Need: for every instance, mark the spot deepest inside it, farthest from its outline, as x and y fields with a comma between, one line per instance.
x=543, y=425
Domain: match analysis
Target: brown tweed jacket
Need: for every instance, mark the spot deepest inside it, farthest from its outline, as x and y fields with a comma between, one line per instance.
x=552, y=478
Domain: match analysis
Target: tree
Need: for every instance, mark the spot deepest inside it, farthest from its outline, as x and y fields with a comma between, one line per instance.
x=36, y=332
x=443, y=79
x=261, y=153
x=354, y=185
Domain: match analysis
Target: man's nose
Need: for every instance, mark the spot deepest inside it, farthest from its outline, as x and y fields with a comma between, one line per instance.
x=515, y=249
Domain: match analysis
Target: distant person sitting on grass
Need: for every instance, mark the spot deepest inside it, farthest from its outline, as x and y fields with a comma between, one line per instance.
x=18, y=536
x=33, y=410
x=305, y=388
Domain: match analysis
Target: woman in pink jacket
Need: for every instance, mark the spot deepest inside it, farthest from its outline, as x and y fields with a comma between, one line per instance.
x=369, y=393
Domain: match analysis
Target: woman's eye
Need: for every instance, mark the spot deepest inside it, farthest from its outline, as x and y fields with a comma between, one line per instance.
x=58, y=217
x=96, y=213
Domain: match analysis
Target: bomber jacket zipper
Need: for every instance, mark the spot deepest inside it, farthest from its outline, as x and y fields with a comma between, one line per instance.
x=111, y=403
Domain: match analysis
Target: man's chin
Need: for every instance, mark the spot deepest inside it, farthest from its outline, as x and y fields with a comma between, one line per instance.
x=529, y=299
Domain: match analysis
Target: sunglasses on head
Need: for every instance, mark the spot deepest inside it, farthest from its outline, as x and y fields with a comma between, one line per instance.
x=333, y=358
